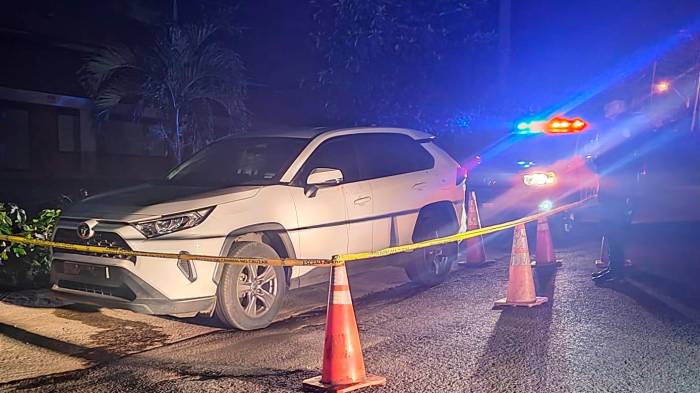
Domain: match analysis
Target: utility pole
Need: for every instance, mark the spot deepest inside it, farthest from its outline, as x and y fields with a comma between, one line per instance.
x=694, y=120
x=653, y=84
x=175, y=12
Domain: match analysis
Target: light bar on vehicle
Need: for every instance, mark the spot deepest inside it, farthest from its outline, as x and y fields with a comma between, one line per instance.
x=538, y=179
x=556, y=125
x=562, y=125
x=530, y=127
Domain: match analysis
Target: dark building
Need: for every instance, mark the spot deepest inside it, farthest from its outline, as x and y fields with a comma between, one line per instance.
x=49, y=142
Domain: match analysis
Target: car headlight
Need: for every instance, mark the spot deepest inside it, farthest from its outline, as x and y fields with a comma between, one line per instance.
x=539, y=179
x=173, y=223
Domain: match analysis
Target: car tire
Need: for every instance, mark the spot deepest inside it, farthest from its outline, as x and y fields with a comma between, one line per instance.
x=431, y=266
x=249, y=297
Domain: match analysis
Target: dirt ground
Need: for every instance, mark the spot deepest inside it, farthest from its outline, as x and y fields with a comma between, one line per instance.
x=40, y=335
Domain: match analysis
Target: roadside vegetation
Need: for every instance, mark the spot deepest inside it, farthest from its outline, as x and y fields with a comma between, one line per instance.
x=187, y=75
x=23, y=266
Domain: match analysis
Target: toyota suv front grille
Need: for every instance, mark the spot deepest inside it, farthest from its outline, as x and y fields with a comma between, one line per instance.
x=100, y=239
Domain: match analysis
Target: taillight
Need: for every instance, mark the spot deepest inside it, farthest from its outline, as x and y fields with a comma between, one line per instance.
x=538, y=179
x=461, y=175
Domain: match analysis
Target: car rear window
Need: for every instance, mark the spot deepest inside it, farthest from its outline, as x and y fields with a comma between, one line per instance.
x=382, y=155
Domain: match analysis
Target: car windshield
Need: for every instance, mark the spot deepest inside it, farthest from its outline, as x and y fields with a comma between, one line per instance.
x=239, y=161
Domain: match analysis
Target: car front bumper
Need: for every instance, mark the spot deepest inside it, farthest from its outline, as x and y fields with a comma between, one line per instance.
x=117, y=287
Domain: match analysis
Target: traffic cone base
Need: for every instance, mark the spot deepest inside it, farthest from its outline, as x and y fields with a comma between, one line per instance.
x=315, y=385
x=505, y=303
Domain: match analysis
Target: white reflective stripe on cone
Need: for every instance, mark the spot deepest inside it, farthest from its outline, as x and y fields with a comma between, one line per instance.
x=341, y=297
x=339, y=276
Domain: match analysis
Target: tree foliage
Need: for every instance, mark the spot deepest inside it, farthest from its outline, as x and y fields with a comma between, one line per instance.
x=407, y=62
x=21, y=265
x=187, y=75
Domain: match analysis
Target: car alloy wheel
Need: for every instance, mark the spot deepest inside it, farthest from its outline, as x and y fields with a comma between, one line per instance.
x=249, y=296
x=437, y=259
x=257, y=289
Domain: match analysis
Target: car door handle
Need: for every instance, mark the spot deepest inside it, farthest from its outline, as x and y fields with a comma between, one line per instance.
x=362, y=200
x=419, y=186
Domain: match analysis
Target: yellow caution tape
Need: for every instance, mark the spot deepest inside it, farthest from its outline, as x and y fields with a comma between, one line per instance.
x=455, y=237
x=336, y=260
x=165, y=255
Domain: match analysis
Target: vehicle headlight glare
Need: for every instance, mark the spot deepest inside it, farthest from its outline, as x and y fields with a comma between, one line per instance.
x=539, y=179
x=546, y=205
x=174, y=223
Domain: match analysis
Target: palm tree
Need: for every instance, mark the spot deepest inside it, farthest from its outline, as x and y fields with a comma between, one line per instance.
x=187, y=76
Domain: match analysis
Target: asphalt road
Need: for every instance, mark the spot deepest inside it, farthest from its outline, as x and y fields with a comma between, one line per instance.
x=640, y=336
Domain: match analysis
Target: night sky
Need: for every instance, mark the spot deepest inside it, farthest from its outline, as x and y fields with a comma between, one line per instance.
x=561, y=47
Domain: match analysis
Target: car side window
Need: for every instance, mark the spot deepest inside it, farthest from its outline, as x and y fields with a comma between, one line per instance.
x=336, y=153
x=382, y=155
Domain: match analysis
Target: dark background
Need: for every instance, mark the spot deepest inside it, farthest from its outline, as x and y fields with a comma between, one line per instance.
x=546, y=56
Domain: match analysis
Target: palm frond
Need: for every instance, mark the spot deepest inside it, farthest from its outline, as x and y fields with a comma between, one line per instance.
x=186, y=70
x=105, y=64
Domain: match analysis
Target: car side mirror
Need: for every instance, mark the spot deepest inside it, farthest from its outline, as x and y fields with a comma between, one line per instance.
x=322, y=177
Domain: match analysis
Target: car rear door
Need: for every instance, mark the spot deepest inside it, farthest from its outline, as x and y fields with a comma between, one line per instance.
x=399, y=170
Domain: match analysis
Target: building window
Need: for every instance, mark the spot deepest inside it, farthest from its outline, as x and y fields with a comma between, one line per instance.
x=68, y=133
x=15, y=145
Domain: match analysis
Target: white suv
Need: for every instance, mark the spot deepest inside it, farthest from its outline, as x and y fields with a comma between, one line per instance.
x=304, y=194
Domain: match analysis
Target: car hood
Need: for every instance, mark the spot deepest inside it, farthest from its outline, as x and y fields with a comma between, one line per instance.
x=152, y=201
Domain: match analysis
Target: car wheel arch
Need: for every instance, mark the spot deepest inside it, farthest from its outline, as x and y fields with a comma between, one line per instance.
x=443, y=212
x=431, y=266
x=272, y=234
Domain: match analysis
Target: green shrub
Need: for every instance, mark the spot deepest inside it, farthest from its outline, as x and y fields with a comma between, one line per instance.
x=23, y=266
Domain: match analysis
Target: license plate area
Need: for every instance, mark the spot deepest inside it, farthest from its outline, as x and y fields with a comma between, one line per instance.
x=86, y=270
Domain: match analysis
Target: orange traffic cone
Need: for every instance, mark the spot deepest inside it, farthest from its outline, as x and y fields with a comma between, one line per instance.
x=544, y=250
x=521, y=282
x=475, y=254
x=604, y=254
x=343, y=365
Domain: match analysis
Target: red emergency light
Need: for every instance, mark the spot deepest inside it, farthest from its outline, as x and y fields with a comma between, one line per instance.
x=562, y=125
